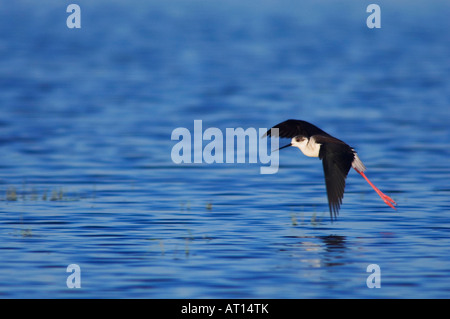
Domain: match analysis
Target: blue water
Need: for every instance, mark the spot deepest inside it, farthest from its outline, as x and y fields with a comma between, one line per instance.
x=86, y=175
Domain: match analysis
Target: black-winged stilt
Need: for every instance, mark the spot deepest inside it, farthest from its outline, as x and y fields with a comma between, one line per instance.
x=337, y=158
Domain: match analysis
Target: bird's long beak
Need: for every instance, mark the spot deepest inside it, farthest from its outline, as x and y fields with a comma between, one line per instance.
x=290, y=144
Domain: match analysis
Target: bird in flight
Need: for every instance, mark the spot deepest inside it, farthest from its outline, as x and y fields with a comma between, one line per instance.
x=337, y=158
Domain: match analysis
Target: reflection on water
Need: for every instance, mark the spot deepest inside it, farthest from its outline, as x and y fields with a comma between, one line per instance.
x=334, y=250
x=86, y=175
x=330, y=250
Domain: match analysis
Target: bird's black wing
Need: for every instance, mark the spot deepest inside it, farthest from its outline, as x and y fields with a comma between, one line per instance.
x=337, y=158
x=292, y=128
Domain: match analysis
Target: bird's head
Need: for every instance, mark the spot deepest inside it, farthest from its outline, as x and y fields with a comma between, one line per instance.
x=298, y=141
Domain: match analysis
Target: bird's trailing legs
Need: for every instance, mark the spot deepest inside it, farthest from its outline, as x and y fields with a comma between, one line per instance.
x=389, y=201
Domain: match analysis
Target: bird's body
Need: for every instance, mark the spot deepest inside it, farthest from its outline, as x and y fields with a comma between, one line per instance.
x=337, y=157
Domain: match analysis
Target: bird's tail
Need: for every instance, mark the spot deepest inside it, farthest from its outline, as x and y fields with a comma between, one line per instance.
x=357, y=164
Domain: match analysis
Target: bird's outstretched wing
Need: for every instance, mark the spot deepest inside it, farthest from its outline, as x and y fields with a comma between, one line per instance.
x=337, y=160
x=292, y=128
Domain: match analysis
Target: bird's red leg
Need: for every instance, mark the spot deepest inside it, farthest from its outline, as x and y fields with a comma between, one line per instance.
x=389, y=201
